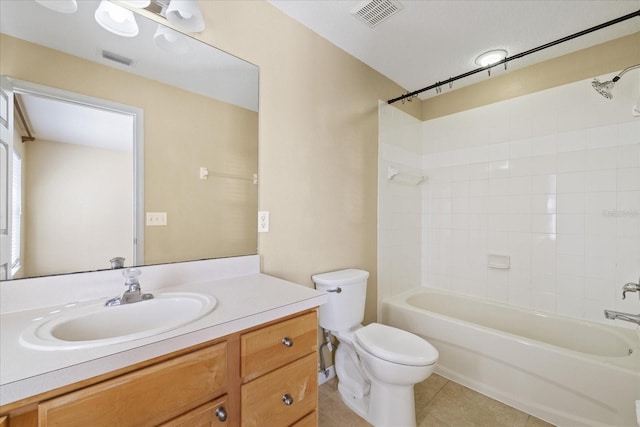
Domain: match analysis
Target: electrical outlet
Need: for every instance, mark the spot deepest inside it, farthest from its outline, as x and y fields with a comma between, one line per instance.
x=263, y=221
x=156, y=218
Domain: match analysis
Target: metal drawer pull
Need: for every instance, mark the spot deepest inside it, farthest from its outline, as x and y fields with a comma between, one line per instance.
x=287, y=399
x=288, y=342
x=221, y=414
x=336, y=290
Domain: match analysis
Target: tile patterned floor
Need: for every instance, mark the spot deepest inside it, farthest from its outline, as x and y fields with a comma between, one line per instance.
x=439, y=403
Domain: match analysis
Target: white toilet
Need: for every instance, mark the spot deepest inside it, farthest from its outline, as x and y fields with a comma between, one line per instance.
x=377, y=365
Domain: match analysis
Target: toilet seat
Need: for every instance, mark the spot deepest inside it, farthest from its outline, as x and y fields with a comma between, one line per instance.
x=396, y=345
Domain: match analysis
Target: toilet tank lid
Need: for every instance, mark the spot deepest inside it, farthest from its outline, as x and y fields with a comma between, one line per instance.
x=340, y=277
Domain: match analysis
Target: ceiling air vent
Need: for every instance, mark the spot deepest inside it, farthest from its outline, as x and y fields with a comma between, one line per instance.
x=128, y=62
x=373, y=12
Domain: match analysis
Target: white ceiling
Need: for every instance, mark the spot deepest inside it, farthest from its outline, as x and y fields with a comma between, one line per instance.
x=429, y=41
x=74, y=123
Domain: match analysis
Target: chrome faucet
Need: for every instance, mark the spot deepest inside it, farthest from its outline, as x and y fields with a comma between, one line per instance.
x=610, y=314
x=133, y=292
x=630, y=287
x=627, y=317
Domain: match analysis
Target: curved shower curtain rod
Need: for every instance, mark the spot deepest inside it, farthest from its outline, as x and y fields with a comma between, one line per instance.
x=450, y=80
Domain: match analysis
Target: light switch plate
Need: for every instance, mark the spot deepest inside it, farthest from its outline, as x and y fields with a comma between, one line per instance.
x=156, y=218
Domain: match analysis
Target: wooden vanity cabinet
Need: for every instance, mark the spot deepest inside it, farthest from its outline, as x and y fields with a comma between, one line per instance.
x=279, y=372
x=149, y=396
x=252, y=378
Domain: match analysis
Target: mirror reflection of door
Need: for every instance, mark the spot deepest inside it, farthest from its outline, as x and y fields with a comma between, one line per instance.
x=79, y=201
x=6, y=157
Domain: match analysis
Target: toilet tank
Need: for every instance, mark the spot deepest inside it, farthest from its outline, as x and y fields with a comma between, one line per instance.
x=345, y=309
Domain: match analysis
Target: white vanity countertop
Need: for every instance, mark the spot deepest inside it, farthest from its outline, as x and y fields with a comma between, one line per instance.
x=242, y=302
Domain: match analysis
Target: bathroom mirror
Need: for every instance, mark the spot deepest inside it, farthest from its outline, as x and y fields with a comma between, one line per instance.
x=199, y=142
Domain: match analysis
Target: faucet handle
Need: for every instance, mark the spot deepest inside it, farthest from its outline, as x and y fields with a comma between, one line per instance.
x=630, y=287
x=131, y=276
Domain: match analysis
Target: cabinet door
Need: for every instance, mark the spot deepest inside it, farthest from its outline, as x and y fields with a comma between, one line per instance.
x=143, y=398
x=310, y=420
x=212, y=414
x=273, y=346
x=281, y=397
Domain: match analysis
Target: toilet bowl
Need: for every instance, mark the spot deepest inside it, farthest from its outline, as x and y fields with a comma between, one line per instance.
x=377, y=365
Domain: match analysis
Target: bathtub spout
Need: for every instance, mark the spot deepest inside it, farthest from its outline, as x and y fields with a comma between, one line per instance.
x=610, y=314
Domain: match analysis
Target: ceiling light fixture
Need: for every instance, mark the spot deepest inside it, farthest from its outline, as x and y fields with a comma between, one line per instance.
x=491, y=57
x=141, y=4
x=186, y=15
x=170, y=40
x=62, y=6
x=116, y=19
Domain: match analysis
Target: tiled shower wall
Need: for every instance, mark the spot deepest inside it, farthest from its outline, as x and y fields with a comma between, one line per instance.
x=399, y=202
x=550, y=179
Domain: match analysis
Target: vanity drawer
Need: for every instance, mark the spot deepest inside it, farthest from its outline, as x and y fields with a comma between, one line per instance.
x=311, y=420
x=276, y=345
x=263, y=399
x=206, y=415
x=146, y=397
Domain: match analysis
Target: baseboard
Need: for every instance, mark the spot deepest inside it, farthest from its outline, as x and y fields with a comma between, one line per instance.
x=331, y=370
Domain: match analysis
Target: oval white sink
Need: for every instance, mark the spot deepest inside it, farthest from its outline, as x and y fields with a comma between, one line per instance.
x=97, y=325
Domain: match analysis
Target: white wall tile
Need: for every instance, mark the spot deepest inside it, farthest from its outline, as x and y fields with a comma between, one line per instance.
x=629, y=133
x=547, y=144
x=597, y=203
x=498, y=168
x=570, y=223
x=543, y=203
x=570, y=203
x=543, y=223
x=573, y=182
x=570, y=265
x=570, y=285
x=544, y=184
x=603, y=136
x=520, y=166
x=519, y=149
x=572, y=141
x=601, y=180
x=602, y=158
x=628, y=179
x=628, y=156
x=544, y=164
x=570, y=244
x=498, y=151
x=572, y=161
x=557, y=189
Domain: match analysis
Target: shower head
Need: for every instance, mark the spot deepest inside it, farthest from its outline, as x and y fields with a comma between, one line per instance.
x=605, y=88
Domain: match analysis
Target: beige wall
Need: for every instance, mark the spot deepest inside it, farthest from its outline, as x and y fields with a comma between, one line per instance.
x=209, y=218
x=77, y=201
x=604, y=58
x=318, y=142
x=319, y=136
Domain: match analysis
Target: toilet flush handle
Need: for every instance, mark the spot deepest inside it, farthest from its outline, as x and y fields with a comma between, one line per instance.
x=336, y=290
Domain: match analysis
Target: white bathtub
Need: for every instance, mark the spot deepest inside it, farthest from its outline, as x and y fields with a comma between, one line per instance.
x=565, y=371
